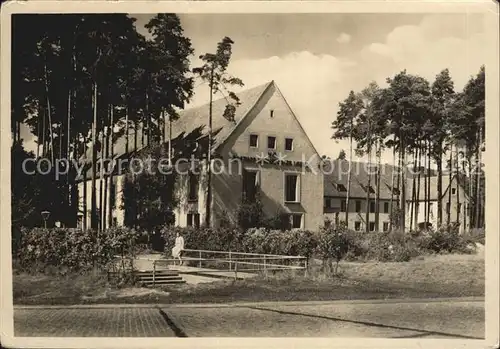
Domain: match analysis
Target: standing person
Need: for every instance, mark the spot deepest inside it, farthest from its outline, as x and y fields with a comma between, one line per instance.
x=178, y=247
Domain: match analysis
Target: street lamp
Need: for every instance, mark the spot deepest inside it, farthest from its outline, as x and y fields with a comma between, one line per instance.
x=45, y=216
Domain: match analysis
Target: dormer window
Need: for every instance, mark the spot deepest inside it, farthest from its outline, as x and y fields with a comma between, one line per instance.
x=288, y=144
x=271, y=142
x=254, y=141
x=341, y=188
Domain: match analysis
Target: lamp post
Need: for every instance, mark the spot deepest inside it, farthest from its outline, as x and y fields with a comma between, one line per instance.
x=45, y=216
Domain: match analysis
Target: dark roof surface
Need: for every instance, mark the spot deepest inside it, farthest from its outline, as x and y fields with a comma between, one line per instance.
x=196, y=119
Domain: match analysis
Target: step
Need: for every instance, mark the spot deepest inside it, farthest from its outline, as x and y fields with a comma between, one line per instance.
x=158, y=272
x=160, y=278
x=163, y=282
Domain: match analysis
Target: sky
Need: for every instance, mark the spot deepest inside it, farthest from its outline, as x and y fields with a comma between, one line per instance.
x=316, y=59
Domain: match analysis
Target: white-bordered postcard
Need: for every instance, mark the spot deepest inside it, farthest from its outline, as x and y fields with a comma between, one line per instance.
x=249, y=174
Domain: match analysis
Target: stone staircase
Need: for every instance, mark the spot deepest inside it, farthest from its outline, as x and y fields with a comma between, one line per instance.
x=160, y=277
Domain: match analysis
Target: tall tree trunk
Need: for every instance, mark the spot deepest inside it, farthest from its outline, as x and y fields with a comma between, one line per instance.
x=101, y=180
x=68, y=146
x=428, y=192
x=49, y=113
x=348, y=196
x=112, y=193
x=126, y=133
x=377, y=181
x=459, y=204
x=413, y=214
x=148, y=121
x=169, y=139
x=450, y=178
x=136, y=141
x=105, y=213
x=439, y=165
x=60, y=136
x=469, y=191
x=427, y=183
x=391, y=204
x=44, y=132
x=479, y=173
x=367, y=213
x=419, y=164
x=403, y=187
x=93, y=200
x=41, y=116
x=209, y=156
x=85, y=191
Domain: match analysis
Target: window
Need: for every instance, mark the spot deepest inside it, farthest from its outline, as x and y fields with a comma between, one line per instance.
x=193, y=187
x=296, y=220
x=250, y=185
x=289, y=144
x=341, y=188
x=372, y=206
x=386, y=226
x=372, y=226
x=292, y=187
x=193, y=220
x=459, y=207
x=254, y=141
x=328, y=203
x=447, y=207
x=271, y=142
x=358, y=206
x=386, y=207
x=271, y=113
x=342, y=205
x=357, y=226
x=453, y=191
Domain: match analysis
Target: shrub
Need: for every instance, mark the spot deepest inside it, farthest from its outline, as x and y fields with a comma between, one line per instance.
x=444, y=239
x=250, y=214
x=333, y=244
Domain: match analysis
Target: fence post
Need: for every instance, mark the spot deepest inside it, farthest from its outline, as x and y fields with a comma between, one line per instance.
x=235, y=271
x=230, y=261
x=199, y=261
x=305, y=267
x=154, y=272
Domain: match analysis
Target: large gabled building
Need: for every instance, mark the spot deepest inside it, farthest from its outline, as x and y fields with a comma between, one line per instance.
x=263, y=151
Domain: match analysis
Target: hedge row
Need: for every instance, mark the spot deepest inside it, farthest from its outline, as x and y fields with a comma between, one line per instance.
x=254, y=240
x=380, y=246
x=75, y=249
x=72, y=249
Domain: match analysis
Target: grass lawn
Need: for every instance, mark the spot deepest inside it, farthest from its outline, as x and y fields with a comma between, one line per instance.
x=430, y=277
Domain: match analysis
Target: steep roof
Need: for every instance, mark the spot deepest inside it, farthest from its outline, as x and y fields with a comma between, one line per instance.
x=338, y=174
x=433, y=191
x=196, y=119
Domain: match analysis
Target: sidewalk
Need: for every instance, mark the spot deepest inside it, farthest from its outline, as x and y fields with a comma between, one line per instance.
x=246, y=304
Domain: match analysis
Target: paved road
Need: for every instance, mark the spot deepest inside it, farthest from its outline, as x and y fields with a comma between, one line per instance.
x=443, y=319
